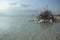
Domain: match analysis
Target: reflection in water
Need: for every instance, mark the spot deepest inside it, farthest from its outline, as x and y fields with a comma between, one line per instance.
x=17, y=28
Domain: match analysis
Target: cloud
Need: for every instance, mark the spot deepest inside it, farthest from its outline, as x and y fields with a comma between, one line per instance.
x=29, y=6
x=25, y=5
x=16, y=4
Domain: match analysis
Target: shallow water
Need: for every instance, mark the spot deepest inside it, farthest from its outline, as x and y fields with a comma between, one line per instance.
x=18, y=28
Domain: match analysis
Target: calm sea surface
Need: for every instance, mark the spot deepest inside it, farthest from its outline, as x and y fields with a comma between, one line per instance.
x=18, y=28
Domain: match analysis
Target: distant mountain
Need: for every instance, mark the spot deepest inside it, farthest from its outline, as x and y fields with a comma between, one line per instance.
x=57, y=15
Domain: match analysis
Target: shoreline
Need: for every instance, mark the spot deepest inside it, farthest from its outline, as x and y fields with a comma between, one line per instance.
x=57, y=17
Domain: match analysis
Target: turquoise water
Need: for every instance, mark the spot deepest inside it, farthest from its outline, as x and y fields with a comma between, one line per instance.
x=18, y=28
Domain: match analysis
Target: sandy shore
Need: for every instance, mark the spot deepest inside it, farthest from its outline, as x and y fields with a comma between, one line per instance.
x=57, y=17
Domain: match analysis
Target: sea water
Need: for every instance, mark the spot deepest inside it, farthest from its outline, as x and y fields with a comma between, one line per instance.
x=18, y=28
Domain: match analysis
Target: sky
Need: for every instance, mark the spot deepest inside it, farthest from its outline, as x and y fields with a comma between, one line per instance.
x=28, y=7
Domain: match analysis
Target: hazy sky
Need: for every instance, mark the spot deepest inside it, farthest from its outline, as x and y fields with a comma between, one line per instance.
x=20, y=7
